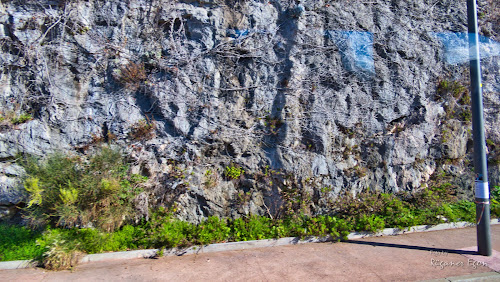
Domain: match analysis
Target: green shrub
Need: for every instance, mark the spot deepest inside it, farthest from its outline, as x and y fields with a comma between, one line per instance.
x=75, y=192
x=339, y=228
x=93, y=241
x=367, y=203
x=164, y=231
x=371, y=223
x=212, y=230
x=174, y=233
x=96, y=241
x=259, y=227
x=432, y=197
x=397, y=213
x=252, y=228
x=429, y=206
x=126, y=238
x=320, y=225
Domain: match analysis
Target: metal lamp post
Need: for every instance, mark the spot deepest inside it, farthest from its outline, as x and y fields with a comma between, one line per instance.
x=482, y=195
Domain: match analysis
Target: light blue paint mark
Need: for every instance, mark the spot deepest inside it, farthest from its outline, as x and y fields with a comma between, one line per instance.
x=240, y=33
x=456, y=46
x=356, y=50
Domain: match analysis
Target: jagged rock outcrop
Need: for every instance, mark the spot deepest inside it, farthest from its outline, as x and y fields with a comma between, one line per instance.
x=309, y=98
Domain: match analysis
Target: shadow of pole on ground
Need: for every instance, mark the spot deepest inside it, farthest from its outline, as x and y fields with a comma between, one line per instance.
x=410, y=247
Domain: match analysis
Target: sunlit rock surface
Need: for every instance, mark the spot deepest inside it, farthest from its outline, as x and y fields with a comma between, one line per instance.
x=310, y=98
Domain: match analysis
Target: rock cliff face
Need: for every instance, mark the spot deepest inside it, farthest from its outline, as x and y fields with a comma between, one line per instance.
x=300, y=100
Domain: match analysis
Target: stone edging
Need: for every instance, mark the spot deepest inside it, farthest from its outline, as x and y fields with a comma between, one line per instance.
x=243, y=245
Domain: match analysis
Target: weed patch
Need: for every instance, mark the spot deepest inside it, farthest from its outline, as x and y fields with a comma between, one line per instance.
x=18, y=242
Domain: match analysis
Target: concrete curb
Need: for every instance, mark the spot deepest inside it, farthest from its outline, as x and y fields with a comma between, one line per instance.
x=414, y=229
x=232, y=246
x=148, y=253
x=15, y=264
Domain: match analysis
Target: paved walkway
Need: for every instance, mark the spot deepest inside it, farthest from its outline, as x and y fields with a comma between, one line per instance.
x=409, y=257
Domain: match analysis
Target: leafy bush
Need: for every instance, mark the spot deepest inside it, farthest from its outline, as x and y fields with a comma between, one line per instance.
x=163, y=230
x=339, y=228
x=320, y=226
x=212, y=230
x=372, y=223
x=365, y=203
x=295, y=226
x=252, y=228
x=233, y=172
x=126, y=238
x=96, y=241
x=92, y=240
x=432, y=197
x=173, y=233
x=74, y=192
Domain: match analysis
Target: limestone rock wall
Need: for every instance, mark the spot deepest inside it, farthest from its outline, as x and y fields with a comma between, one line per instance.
x=309, y=98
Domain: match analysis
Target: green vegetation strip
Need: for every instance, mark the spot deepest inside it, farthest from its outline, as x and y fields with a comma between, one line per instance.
x=67, y=193
x=163, y=230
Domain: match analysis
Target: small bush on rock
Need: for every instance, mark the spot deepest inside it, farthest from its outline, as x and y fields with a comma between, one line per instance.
x=233, y=172
x=131, y=75
x=22, y=118
x=142, y=130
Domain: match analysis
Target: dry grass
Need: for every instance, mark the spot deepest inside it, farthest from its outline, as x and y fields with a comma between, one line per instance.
x=131, y=75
